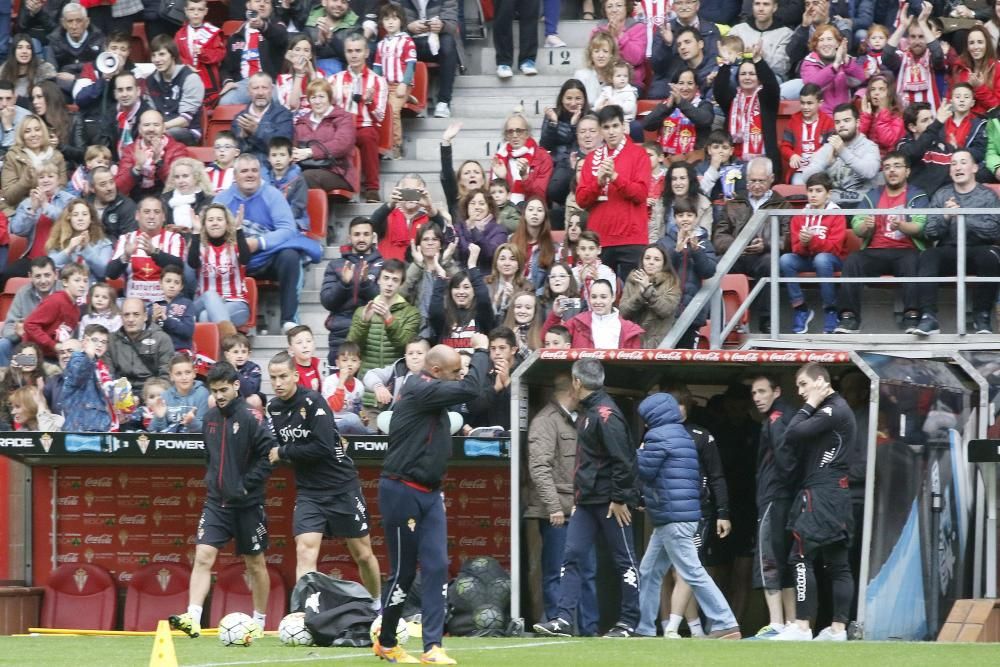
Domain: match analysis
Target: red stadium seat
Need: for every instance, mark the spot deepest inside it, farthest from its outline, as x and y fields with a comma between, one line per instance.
x=17, y=247
x=206, y=339
x=5, y=302
x=419, y=89
x=251, y=287
x=232, y=593
x=735, y=290
x=118, y=284
x=156, y=591
x=995, y=187
x=79, y=596
x=385, y=134
x=203, y=154
x=643, y=108
x=796, y=194
x=318, y=209
x=558, y=235
x=230, y=27
x=139, y=51
x=349, y=195
x=14, y=284
x=222, y=119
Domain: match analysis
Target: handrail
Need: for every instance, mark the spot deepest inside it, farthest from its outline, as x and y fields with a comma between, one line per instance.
x=710, y=287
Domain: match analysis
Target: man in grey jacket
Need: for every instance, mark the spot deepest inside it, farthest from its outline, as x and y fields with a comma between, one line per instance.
x=851, y=158
x=138, y=352
x=43, y=282
x=982, y=241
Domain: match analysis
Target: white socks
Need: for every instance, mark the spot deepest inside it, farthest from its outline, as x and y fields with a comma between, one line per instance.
x=194, y=611
x=673, y=624
x=259, y=618
x=694, y=625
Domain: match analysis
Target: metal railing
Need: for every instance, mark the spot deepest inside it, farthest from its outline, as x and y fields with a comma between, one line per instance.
x=711, y=293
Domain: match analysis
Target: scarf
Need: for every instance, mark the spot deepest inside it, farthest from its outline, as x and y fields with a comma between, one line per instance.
x=745, y=125
x=198, y=37
x=250, y=55
x=510, y=155
x=107, y=381
x=183, y=208
x=678, y=135
x=916, y=80
x=148, y=171
x=810, y=141
x=901, y=13
x=39, y=159
x=656, y=14
x=125, y=117
x=600, y=155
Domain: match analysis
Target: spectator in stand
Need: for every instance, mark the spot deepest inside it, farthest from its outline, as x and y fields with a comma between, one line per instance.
x=482, y=227
x=262, y=120
x=327, y=27
x=623, y=94
x=434, y=26
x=562, y=294
x=30, y=413
x=74, y=44
x=506, y=279
x=42, y=276
x=756, y=97
x=508, y=214
x=11, y=116
x=77, y=237
x=297, y=72
x=57, y=316
x=720, y=174
x=830, y=67
x=396, y=60
x=142, y=254
x=185, y=194
x=934, y=136
x=601, y=51
x=24, y=69
x=818, y=246
x=49, y=104
x=145, y=164
x=37, y=19
x=101, y=307
x=588, y=266
x=96, y=94
x=979, y=68
x=630, y=35
x=890, y=244
x=683, y=120
x=325, y=140
x=602, y=326
x=258, y=45
x=32, y=148
x=219, y=254
x=350, y=281
x=236, y=350
x=201, y=46
x=850, y=158
x=364, y=94
x=559, y=137
x=688, y=50
x=386, y=383
x=344, y=392
x=613, y=187
x=982, y=244
x=689, y=250
x=460, y=305
x=82, y=397
x=492, y=406
x=117, y=212
x=763, y=28
x=117, y=125
x=681, y=182
x=34, y=219
x=396, y=223
x=915, y=68
x=176, y=91
x=469, y=176
x=182, y=407
x=503, y=36
x=807, y=129
x=431, y=260
x=881, y=114
x=225, y=150
x=651, y=296
x=524, y=318
x=287, y=177
x=817, y=13
x=533, y=238
x=525, y=165
x=27, y=368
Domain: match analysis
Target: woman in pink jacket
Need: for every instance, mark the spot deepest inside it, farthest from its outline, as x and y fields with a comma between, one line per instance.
x=881, y=115
x=630, y=34
x=830, y=67
x=324, y=141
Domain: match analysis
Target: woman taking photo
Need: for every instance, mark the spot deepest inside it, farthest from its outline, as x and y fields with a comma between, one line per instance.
x=559, y=137
x=602, y=326
x=324, y=140
x=78, y=236
x=24, y=70
x=460, y=305
x=297, y=72
x=651, y=296
x=525, y=166
x=27, y=369
x=506, y=279
x=32, y=148
x=457, y=184
x=561, y=294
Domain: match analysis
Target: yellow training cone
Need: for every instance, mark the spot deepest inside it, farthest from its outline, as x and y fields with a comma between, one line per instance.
x=163, y=647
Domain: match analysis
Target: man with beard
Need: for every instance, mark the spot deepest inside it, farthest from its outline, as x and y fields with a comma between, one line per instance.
x=891, y=244
x=849, y=157
x=916, y=69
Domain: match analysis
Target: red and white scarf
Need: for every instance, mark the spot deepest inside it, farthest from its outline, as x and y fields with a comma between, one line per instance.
x=509, y=155
x=148, y=169
x=901, y=13
x=655, y=14
x=745, y=124
x=915, y=82
x=810, y=142
x=600, y=155
x=106, y=380
x=125, y=117
x=678, y=135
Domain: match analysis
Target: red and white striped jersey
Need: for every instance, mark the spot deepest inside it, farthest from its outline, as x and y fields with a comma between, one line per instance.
x=143, y=273
x=392, y=55
x=346, y=84
x=221, y=272
x=220, y=179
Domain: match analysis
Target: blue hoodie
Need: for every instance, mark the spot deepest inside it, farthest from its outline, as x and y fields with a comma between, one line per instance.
x=296, y=192
x=178, y=406
x=668, y=464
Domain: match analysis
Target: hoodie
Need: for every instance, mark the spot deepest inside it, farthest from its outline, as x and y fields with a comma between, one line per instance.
x=296, y=192
x=178, y=406
x=668, y=464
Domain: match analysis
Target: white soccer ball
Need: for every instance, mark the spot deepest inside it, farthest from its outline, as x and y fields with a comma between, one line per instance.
x=237, y=629
x=402, y=631
x=293, y=631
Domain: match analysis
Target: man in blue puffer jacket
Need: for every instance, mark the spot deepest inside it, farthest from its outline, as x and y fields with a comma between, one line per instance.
x=669, y=472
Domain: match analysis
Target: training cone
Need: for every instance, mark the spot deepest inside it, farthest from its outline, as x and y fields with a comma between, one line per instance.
x=163, y=647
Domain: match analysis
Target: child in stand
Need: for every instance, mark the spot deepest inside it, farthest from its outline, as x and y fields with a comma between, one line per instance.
x=871, y=49
x=58, y=315
x=818, y=244
x=101, y=308
x=236, y=349
x=302, y=348
x=226, y=149
x=623, y=93
x=175, y=313
x=805, y=133
x=720, y=175
x=81, y=183
x=287, y=177
x=386, y=382
x=566, y=252
x=396, y=60
x=589, y=266
x=181, y=407
x=201, y=46
x=508, y=214
x=654, y=202
x=344, y=392
x=152, y=391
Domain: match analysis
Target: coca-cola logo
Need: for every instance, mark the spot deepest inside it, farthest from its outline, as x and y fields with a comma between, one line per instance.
x=672, y=355
x=472, y=484
x=98, y=539
x=132, y=520
x=783, y=357
x=166, y=558
x=555, y=354
x=68, y=501
x=472, y=542
x=369, y=483
x=823, y=357
x=275, y=559
x=275, y=501
x=501, y=521
x=196, y=484
x=167, y=501
x=630, y=355
x=124, y=577
x=706, y=356
x=335, y=558
x=746, y=357
x=600, y=355
x=99, y=482
x=68, y=558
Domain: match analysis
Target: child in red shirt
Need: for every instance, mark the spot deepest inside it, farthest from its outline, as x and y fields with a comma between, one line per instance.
x=202, y=47
x=817, y=245
x=804, y=133
x=302, y=347
x=58, y=315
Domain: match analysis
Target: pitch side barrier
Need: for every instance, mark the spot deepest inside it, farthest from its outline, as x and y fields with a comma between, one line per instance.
x=711, y=294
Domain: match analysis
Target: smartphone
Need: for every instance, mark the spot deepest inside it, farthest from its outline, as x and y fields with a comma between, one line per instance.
x=571, y=303
x=23, y=360
x=410, y=194
x=251, y=14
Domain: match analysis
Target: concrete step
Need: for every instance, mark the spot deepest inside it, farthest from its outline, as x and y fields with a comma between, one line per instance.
x=550, y=61
x=490, y=80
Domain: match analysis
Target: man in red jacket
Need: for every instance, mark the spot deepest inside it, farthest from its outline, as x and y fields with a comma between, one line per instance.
x=145, y=164
x=614, y=184
x=58, y=315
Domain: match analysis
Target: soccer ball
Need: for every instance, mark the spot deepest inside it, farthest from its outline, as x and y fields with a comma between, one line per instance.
x=467, y=592
x=237, y=629
x=293, y=631
x=488, y=618
x=402, y=631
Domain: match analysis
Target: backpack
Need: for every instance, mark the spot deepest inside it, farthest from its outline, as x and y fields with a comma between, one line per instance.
x=338, y=612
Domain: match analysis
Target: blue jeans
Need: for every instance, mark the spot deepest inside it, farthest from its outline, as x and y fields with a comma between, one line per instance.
x=210, y=307
x=673, y=545
x=349, y=423
x=551, y=10
x=553, y=545
x=6, y=349
x=824, y=264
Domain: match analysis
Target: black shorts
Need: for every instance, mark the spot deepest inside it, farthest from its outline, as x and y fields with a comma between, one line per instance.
x=246, y=525
x=338, y=515
x=770, y=560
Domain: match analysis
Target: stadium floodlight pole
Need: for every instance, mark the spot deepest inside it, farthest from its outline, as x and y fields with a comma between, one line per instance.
x=960, y=277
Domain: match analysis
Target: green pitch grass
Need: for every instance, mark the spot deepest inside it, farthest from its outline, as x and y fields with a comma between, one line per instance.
x=519, y=652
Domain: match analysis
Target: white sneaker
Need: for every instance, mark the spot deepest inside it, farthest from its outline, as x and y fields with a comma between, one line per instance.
x=288, y=326
x=442, y=110
x=554, y=42
x=504, y=71
x=793, y=633
x=671, y=634
x=828, y=635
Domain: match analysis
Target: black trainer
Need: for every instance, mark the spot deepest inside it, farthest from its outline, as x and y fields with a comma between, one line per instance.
x=911, y=320
x=981, y=322
x=928, y=326
x=764, y=325
x=620, y=631
x=554, y=628
x=848, y=324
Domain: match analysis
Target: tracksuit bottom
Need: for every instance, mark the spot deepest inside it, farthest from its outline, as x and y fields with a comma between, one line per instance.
x=416, y=530
x=981, y=260
x=584, y=525
x=838, y=569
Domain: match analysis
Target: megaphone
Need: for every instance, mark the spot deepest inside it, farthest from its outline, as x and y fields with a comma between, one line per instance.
x=107, y=62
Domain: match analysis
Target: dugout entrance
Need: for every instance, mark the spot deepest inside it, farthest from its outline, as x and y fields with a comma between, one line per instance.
x=925, y=516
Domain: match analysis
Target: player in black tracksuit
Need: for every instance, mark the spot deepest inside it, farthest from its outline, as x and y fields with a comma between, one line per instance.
x=236, y=449
x=604, y=489
x=328, y=501
x=822, y=434
x=410, y=496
